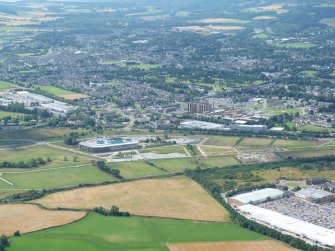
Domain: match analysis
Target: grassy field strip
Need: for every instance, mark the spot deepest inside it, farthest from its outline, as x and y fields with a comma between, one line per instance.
x=74, y=151
x=5, y=180
x=45, y=170
x=21, y=147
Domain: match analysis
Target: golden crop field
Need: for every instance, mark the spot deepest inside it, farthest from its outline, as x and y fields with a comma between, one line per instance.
x=175, y=197
x=232, y=246
x=28, y=218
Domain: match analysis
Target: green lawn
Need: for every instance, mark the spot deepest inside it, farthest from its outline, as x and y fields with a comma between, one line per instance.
x=308, y=73
x=293, y=143
x=14, y=28
x=182, y=13
x=96, y=232
x=135, y=169
x=254, y=142
x=55, y=178
x=312, y=152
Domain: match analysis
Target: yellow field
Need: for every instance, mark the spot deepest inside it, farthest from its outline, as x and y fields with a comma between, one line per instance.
x=74, y=96
x=328, y=21
x=176, y=197
x=231, y=246
x=27, y=218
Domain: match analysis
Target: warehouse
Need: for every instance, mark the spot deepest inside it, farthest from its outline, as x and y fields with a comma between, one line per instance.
x=299, y=228
x=104, y=145
x=257, y=197
x=315, y=196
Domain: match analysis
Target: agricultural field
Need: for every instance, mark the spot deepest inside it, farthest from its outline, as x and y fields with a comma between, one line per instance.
x=28, y=218
x=175, y=197
x=42, y=134
x=294, y=143
x=101, y=233
x=5, y=86
x=43, y=151
x=164, y=150
x=296, y=45
x=222, y=21
x=11, y=114
x=313, y=152
x=135, y=169
x=329, y=22
x=62, y=93
x=53, y=178
x=232, y=246
x=180, y=164
x=222, y=141
x=210, y=28
x=255, y=142
x=260, y=36
x=216, y=150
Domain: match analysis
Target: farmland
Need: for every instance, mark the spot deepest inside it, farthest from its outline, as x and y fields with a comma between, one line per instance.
x=66, y=94
x=232, y=246
x=28, y=218
x=96, y=232
x=4, y=86
x=11, y=114
x=176, y=197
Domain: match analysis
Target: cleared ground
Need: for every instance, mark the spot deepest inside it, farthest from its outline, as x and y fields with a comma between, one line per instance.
x=176, y=197
x=27, y=218
x=99, y=233
x=231, y=246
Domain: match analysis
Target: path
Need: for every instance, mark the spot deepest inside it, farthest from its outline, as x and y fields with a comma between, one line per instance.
x=6, y=180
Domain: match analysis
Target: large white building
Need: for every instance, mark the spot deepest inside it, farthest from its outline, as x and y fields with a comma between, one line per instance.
x=258, y=196
x=296, y=227
x=103, y=145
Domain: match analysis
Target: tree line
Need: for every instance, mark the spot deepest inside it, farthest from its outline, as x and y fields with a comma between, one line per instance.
x=28, y=164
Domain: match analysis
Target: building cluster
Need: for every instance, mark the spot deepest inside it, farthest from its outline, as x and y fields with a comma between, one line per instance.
x=106, y=145
x=308, y=213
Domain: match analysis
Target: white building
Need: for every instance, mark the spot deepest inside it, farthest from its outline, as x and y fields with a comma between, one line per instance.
x=258, y=196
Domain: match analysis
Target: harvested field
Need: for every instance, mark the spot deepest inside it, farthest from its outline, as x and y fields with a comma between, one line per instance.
x=29, y=218
x=221, y=20
x=74, y=96
x=176, y=197
x=232, y=246
x=329, y=22
x=209, y=28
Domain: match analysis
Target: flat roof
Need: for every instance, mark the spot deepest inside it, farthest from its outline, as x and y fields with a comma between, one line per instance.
x=107, y=142
x=258, y=195
x=313, y=193
x=323, y=235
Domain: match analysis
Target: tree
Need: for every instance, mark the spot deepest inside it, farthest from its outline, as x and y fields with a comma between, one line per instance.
x=17, y=233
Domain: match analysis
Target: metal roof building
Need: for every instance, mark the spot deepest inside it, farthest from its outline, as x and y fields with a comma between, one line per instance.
x=314, y=195
x=259, y=196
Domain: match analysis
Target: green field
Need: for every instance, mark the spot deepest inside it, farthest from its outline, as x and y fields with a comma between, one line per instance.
x=56, y=91
x=182, y=13
x=260, y=36
x=12, y=114
x=293, y=143
x=252, y=142
x=296, y=45
x=164, y=150
x=180, y=164
x=135, y=169
x=313, y=152
x=308, y=73
x=14, y=28
x=43, y=151
x=54, y=178
x=222, y=141
x=5, y=86
x=42, y=134
x=96, y=232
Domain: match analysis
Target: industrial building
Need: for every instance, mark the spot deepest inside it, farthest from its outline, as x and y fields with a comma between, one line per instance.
x=299, y=228
x=196, y=124
x=253, y=128
x=104, y=145
x=315, y=196
x=316, y=181
x=257, y=197
x=199, y=107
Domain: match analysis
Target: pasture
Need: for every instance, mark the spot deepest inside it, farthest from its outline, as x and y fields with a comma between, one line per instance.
x=164, y=150
x=100, y=233
x=10, y=114
x=53, y=178
x=5, y=86
x=222, y=141
x=216, y=150
x=135, y=169
x=62, y=93
x=255, y=142
x=296, y=45
x=175, y=197
x=28, y=218
x=232, y=246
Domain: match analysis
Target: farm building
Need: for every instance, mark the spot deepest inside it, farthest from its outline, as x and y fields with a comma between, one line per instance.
x=257, y=197
x=315, y=196
x=102, y=145
x=298, y=227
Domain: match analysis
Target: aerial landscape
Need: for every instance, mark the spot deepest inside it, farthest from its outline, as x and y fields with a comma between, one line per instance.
x=154, y=125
